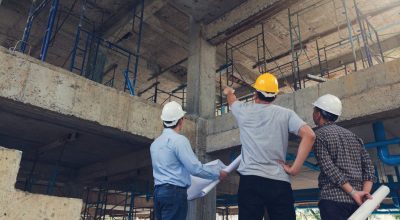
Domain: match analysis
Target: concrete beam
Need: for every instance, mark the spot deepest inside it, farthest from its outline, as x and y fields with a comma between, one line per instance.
x=361, y=94
x=169, y=32
x=242, y=18
x=122, y=23
x=76, y=102
x=22, y=205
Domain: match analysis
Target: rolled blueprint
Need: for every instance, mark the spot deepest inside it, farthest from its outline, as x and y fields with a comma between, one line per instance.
x=231, y=167
x=201, y=187
x=370, y=205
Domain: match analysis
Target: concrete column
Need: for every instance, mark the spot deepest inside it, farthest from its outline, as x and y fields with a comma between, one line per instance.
x=201, y=105
x=201, y=74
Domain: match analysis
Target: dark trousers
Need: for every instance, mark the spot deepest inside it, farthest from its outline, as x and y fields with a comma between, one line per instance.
x=170, y=202
x=257, y=194
x=336, y=210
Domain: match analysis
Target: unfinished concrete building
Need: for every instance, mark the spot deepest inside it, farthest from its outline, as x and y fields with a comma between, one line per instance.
x=82, y=84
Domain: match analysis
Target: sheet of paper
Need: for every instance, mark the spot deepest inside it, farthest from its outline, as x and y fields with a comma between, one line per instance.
x=201, y=187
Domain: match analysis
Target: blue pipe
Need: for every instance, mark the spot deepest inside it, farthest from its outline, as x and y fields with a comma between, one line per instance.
x=383, y=151
x=49, y=30
x=382, y=143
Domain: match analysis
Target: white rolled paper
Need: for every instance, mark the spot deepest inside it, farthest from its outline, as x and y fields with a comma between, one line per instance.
x=370, y=205
x=231, y=167
x=201, y=187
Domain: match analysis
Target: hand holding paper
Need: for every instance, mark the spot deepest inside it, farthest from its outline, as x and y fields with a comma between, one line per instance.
x=369, y=206
x=201, y=187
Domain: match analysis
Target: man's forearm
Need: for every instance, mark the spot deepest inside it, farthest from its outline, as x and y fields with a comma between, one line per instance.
x=304, y=150
x=347, y=187
x=358, y=196
x=367, y=186
x=307, y=140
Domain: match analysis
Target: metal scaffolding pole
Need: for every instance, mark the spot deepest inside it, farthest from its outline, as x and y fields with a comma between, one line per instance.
x=49, y=29
x=363, y=35
x=33, y=13
x=350, y=34
x=138, y=43
x=295, y=36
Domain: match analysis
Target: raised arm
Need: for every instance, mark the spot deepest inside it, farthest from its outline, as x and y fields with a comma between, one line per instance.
x=185, y=154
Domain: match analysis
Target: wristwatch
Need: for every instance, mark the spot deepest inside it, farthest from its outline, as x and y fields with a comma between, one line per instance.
x=352, y=192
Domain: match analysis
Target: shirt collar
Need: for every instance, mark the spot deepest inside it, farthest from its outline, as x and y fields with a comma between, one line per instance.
x=169, y=131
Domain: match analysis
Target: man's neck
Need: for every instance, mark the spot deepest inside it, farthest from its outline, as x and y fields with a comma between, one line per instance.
x=324, y=122
x=177, y=129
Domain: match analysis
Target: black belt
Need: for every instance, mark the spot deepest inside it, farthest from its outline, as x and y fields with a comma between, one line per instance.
x=170, y=185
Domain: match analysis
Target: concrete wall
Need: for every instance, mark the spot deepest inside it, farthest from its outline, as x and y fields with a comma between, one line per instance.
x=41, y=86
x=18, y=205
x=366, y=95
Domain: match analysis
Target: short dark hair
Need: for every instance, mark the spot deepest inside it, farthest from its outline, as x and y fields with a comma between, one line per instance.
x=263, y=98
x=327, y=115
x=173, y=126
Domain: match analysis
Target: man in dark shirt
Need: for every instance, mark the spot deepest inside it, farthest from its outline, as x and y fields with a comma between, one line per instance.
x=347, y=173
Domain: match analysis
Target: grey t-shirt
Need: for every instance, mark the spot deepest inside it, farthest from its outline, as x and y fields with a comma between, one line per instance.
x=264, y=134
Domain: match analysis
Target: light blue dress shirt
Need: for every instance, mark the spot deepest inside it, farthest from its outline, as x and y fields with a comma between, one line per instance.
x=173, y=160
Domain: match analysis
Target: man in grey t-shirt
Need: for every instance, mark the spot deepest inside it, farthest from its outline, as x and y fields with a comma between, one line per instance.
x=264, y=131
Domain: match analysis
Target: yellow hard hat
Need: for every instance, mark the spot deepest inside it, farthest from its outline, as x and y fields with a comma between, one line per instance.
x=266, y=83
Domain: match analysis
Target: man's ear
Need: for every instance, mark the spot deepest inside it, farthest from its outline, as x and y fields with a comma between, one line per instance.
x=318, y=115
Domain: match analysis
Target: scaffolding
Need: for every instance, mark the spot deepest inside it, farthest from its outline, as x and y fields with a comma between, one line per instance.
x=114, y=201
x=90, y=51
x=229, y=73
x=34, y=12
x=308, y=64
x=368, y=35
x=87, y=58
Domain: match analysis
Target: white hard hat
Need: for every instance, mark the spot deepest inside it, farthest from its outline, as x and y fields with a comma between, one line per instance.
x=329, y=103
x=172, y=112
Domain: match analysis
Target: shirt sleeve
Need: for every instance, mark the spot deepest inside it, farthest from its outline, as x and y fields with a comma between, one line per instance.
x=368, y=171
x=189, y=160
x=295, y=123
x=237, y=110
x=326, y=164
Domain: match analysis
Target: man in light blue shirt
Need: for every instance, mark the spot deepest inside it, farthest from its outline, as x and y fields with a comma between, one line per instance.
x=173, y=162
